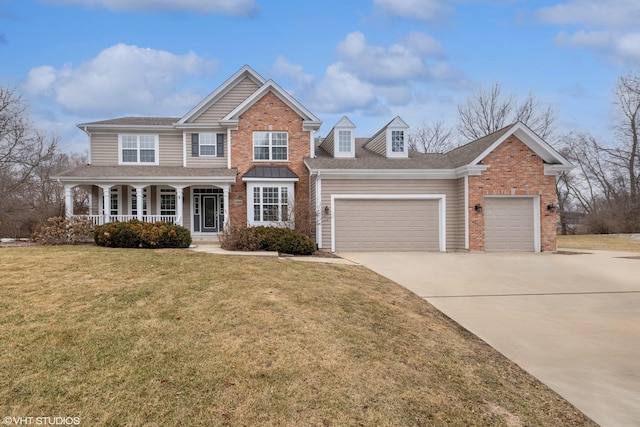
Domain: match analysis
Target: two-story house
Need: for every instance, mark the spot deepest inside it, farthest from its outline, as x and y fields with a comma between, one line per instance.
x=246, y=155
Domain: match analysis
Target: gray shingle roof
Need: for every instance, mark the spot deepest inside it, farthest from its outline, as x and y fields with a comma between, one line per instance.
x=135, y=121
x=367, y=159
x=107, y=172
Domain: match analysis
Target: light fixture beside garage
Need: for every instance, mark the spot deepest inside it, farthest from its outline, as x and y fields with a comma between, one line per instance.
x=551, y=207
x=478, y=208
x=327, y=210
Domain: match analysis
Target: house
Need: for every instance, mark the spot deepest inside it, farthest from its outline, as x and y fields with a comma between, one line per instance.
x=247, y=155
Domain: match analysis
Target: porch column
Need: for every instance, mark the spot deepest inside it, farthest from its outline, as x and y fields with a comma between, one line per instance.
x=225, y=201
x=139, y=202
x=68, y=201
x=179, y=204
x=106, y=202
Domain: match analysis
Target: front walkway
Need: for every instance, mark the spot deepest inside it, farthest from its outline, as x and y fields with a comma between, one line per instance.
x=573, y=321
x=214, y=248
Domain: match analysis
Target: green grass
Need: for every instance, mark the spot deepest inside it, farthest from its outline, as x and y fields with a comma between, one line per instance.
x=603, y=242
x=139, y=337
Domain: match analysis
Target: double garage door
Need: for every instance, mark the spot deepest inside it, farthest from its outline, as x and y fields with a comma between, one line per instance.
x=386, y=225
x=509, y=224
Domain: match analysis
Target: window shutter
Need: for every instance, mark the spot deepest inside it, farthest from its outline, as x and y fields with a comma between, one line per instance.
x=220, y=145
x=195, y=144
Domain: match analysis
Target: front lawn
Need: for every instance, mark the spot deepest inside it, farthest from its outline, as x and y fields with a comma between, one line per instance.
x=602, y=242
x=173, y=337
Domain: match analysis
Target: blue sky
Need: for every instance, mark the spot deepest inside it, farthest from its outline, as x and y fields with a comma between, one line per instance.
x=81, y=60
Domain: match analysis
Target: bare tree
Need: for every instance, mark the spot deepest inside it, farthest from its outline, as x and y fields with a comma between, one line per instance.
x=23, y=149
x=627, y=153
x=488, y=110
x=432, y=137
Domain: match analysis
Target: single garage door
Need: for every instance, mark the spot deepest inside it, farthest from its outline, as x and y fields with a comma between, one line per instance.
x=508, y=224
x=386, y=225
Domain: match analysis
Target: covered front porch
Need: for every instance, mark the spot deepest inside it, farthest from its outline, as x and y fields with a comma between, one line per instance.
x=199, y=203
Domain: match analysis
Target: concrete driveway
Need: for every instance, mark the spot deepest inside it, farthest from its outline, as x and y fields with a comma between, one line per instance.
x=573, y=321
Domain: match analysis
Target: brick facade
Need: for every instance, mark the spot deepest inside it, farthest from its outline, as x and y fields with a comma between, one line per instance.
x=269, y=113
x=513, y=170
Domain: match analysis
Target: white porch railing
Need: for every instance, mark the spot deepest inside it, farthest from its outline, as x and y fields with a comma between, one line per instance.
x=100, y=219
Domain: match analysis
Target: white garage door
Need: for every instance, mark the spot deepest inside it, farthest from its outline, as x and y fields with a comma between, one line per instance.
x=386, y=225
x=509, y=224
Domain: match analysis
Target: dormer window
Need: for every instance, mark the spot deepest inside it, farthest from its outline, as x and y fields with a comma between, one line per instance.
x=397, y=141
x=344, y=141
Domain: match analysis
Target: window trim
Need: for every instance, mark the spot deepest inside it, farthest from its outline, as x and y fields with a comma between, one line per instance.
x=214, y=144
x=290, y=186
x=270, y=146
x=336, y=140
x=390, y=152
x=167, y=190
x=156, y=149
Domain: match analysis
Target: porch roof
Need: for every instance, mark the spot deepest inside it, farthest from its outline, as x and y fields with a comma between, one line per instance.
x=148, y=174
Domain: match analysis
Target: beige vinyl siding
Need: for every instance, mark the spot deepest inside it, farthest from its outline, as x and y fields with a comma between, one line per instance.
x=207, y=161
x=187, y=200
x=378, y=144
x=312, y=206
x=95, y=201
x=104, y=149
x=228, y=102
x=328, y=143
x=171, y=149
x=451, y=188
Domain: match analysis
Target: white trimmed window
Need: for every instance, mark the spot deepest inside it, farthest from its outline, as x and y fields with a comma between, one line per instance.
x=344, y=141
x=167, y=201
x=138, y=149
x=270, y=204
x=397, y=141
x=114, y=202
x=270, y=146
x=208, y=143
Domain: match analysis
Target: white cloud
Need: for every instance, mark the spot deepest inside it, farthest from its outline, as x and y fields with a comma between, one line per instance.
x=399, y=62
x=225, y=7
x=608, y=27
x=619, y=46
x=422, y=10
x=611, y=13
x=368, y=77
x=340, y=90
x=122, y=79
x=282, y=67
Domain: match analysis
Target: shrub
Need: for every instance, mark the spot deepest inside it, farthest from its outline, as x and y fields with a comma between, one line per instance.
x=240, y=239
x=277, y=239
x=136, y=234
x=61, y=231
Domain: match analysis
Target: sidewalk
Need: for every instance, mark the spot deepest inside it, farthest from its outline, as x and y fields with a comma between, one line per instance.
x=214, y=248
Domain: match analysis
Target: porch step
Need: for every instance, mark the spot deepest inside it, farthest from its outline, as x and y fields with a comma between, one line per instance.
x=208, y=240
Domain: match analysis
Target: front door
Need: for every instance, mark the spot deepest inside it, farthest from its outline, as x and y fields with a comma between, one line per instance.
x=209, y=213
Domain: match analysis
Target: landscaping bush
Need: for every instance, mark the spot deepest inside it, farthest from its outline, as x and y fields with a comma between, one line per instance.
x=137, y=234
x=276, y=239
x=240, y=239
x=61, y=231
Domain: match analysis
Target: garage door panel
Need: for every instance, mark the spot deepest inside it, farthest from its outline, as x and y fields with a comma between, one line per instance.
x=379, y=225
x=509, y=224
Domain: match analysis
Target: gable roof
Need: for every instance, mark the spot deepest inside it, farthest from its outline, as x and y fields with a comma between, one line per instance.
x=213, y=97
x=475, y=151
x=395, y=122
x=309, y=119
